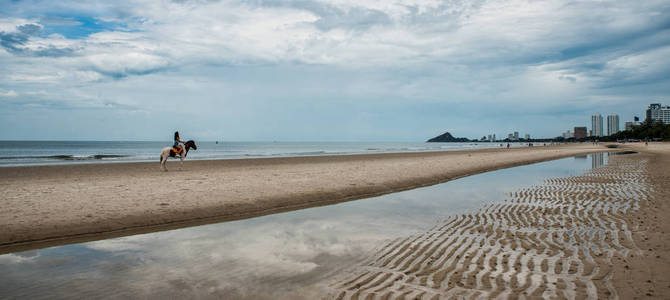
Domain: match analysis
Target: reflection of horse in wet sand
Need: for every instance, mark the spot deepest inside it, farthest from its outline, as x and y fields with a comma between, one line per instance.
x=180, y=153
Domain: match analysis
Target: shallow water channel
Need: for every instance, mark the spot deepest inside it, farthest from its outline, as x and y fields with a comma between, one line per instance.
x=289, y=255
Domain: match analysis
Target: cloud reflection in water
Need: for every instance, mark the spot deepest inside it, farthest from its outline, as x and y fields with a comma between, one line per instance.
x=289, y=255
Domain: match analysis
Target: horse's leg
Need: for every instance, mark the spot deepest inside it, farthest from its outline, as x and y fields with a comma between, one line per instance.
x=163, y=162
x=181, y=166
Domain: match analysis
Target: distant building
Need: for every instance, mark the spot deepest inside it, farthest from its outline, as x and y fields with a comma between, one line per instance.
x=527, y=137
x=567, y=134
x=652, y=110
x=494, y=137
x=580, y=132
x=629, y=125
x=510, y=136
x=597, y=125
x=656, y=112
x=612, y=124
x=516, y=135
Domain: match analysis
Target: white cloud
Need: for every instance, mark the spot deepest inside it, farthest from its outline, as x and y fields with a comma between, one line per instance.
x=10, y=25
x=45, y=78
x=122, y=64
x=8, y=93
x=492, y=32
x=12, y=259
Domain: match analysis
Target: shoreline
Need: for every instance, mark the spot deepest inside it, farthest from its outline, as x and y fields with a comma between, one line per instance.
x=53, y=205
x=67, y=156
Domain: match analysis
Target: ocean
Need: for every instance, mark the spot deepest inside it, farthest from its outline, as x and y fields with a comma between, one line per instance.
x=24, y=153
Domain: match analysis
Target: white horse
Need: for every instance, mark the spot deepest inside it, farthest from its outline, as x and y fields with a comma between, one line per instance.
x=169, y=152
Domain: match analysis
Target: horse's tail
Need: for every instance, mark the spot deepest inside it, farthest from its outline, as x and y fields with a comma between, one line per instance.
x=160, y=158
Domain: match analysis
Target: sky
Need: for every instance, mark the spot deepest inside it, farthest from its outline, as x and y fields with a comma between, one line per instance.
x=339, y=70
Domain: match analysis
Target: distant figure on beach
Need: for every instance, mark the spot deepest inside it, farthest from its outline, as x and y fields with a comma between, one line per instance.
x=507, y=145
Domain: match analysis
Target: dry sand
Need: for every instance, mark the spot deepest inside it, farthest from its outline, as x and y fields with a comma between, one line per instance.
x=50, y=205
x=600, y=235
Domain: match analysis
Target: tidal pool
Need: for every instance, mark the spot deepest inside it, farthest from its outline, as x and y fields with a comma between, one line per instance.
x=290, y=255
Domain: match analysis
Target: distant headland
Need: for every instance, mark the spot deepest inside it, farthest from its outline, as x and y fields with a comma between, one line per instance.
x=448, y=138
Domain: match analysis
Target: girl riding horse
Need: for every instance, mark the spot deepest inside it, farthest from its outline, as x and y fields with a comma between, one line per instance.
x=177, y=140
x=176, y=150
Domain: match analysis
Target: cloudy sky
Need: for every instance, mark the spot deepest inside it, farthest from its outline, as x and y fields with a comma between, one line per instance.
x=345, y=70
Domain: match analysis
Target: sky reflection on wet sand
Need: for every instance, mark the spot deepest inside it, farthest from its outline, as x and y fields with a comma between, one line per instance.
x=288, y=255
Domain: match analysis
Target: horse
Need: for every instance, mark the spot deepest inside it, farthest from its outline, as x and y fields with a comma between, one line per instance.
x=169, y=152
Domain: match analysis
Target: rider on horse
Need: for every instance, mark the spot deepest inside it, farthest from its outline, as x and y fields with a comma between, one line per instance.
x=177, y=150
x=176, y=147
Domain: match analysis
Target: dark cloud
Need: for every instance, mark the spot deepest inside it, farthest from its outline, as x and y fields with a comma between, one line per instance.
x=120, y=74
x=16, y=42
x=12, y=42
x=632, y=40
x=568, y=78
x=30, y=29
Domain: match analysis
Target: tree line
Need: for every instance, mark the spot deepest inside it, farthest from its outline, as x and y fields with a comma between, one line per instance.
x=648, y=130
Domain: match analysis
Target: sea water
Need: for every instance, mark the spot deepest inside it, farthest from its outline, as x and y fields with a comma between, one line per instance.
x=19, y=153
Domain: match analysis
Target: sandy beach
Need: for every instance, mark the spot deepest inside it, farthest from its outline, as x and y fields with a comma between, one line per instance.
x=51, y=205
x=599, y=235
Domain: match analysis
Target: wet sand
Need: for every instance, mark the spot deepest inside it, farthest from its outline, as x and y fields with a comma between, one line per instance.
x=599, y=235
x=51, y=205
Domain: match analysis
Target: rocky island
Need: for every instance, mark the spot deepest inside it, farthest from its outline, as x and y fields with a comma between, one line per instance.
x=447, y=138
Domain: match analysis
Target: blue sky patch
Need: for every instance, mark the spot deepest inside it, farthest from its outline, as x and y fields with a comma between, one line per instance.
x=77, y=27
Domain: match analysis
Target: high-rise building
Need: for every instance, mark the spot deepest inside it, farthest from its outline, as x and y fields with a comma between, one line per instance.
x=516, y=135
x=580, y=132
x=656, y=112
x=612, y=124
x=597, y=125
x=527, y=136
x=651, y=110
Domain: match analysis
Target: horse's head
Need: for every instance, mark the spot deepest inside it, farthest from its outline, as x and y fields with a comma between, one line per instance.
x=190, y=144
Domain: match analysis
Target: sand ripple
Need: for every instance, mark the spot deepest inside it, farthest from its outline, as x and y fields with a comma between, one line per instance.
x=554, y=240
